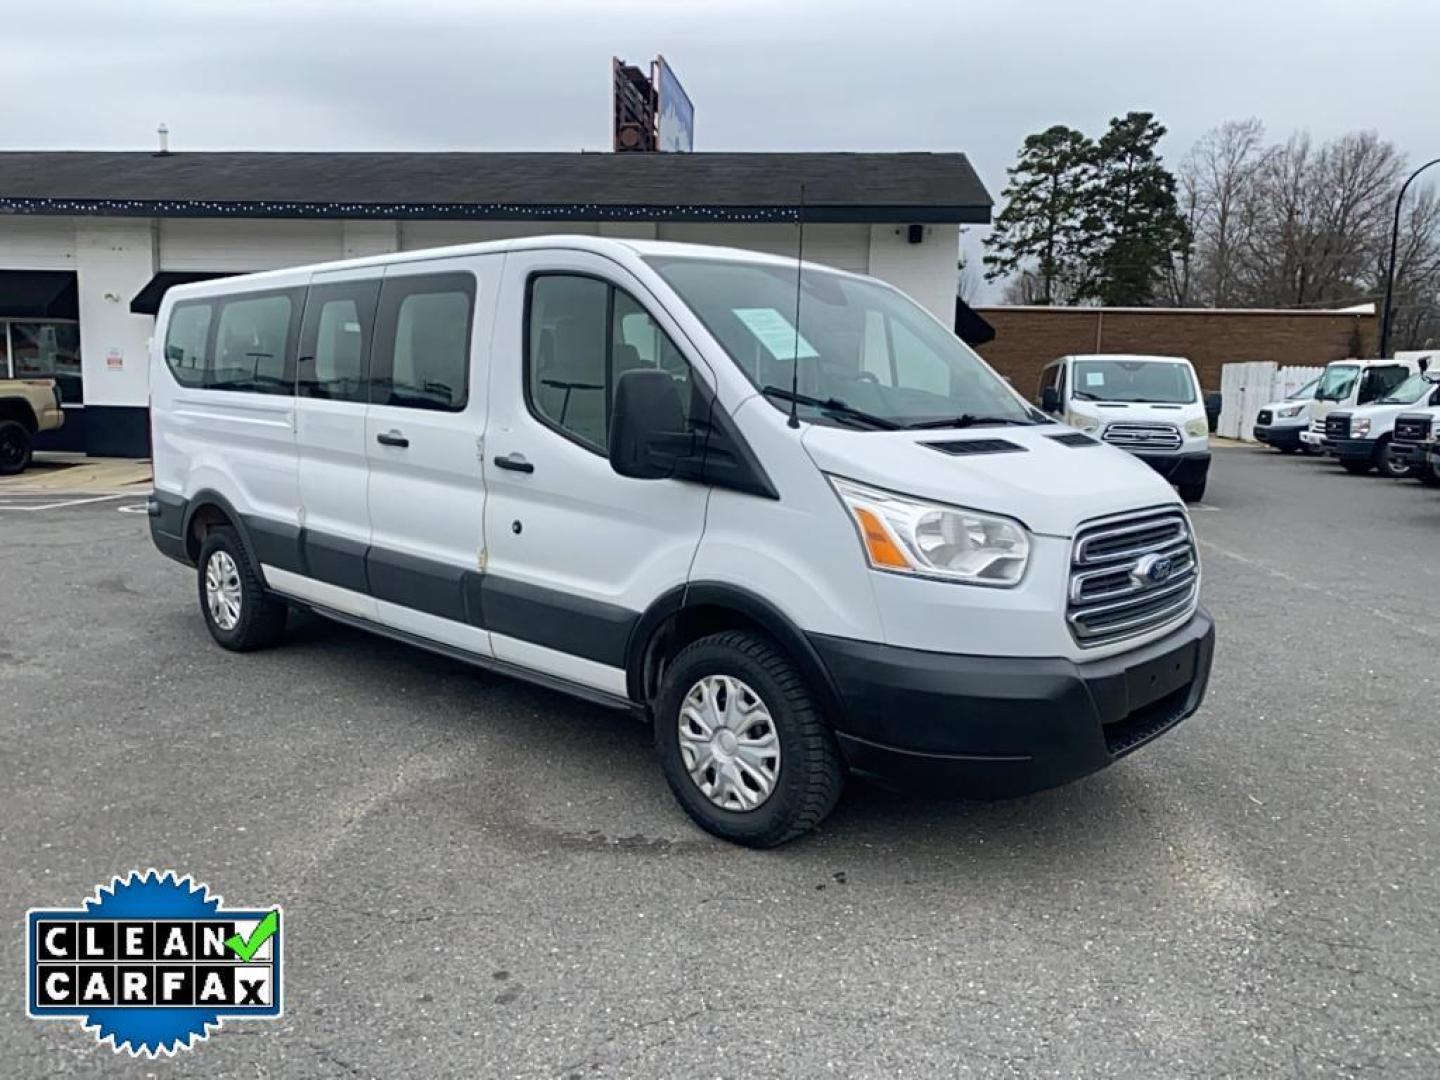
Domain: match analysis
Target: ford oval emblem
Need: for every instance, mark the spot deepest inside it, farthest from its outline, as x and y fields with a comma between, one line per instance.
x=1154, y=569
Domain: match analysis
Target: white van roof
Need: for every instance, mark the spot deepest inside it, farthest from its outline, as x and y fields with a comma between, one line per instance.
x=1130, y=358
x=601, y=245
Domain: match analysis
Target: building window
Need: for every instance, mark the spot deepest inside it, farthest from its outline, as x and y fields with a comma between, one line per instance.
x=48, y=350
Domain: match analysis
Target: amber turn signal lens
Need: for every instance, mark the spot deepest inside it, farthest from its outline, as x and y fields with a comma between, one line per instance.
x=882, y=550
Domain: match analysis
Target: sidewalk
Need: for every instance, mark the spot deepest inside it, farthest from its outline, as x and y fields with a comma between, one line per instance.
x=53, y=472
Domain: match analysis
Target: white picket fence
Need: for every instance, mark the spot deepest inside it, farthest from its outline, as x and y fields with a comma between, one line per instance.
x=1246, y=388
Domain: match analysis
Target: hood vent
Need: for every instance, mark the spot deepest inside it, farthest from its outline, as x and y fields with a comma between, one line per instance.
x=1074, y=438
x=964, y=447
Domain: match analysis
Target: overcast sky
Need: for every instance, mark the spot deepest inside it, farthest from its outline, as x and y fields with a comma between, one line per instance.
x=763, y=74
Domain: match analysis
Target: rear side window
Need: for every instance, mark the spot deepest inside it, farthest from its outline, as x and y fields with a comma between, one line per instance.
x=422, y=342
x=186, y=343
x=252, y=344
x=240, y=343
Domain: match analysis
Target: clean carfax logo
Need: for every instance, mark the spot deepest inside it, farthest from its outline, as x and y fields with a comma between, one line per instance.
x=153, y=962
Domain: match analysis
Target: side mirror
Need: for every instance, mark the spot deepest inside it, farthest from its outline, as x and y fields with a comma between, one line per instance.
x=1050, y=400
x=648, y=436
x=1213, y=403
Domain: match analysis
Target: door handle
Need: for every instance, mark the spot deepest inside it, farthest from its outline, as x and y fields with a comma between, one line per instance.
x=392, y=438
x=515, y=463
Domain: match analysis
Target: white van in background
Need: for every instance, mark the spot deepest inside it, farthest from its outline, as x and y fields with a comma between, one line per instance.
x=1361, y=438
x=1148, y=405
x=1347, y=383
x=620, y=469
x=1281, y=423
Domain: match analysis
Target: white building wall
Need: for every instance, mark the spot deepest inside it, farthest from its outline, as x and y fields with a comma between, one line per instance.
x=927, y=271
x=37, y=243
x=247, y=245
x=114, y=260
x=362, y=238
x=846, y=247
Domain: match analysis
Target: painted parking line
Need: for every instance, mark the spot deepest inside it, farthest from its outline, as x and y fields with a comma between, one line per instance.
x=134, y=508
x=51, y=501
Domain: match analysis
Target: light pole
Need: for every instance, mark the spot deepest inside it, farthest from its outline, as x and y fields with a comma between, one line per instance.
x=1390, y=271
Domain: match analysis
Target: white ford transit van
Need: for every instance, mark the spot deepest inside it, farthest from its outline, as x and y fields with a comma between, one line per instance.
x=580, y=461
x=1148, y=405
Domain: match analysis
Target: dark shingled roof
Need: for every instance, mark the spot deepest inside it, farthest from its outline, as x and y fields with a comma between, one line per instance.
x=910, y=187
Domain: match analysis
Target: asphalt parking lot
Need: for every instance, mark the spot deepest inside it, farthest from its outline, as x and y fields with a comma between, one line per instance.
x=485, y=879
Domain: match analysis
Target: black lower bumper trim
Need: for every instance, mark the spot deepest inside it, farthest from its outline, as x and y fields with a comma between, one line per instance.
x=1281, y=438
x=987, y=727
x=1353, y=449
x=167, y=524
x=1179, y=468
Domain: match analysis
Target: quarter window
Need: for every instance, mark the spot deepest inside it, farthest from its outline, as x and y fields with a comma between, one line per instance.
x=186, y=343
x=252, y=346
x=582, y=334
x=422, y=342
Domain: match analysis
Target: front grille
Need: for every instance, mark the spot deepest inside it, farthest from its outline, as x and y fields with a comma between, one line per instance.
x=1317, y=426
x=1134, y=435
x=1265, y=417
x=1412, y=429
x=1129, y=575
x=1337, y=426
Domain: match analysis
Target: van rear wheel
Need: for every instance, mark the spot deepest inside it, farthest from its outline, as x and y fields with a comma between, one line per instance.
x=238, y=614
x=742, y=741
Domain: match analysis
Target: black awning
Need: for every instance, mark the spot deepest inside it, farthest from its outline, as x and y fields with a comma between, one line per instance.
x=970, y=326
x=39, y=294
x=147, y=300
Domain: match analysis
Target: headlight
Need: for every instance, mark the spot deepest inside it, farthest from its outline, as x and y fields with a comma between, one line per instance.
x=1359, y=428
x=1290, y=411
x=1085, y=423
x=1198, y=426
x=911, y=536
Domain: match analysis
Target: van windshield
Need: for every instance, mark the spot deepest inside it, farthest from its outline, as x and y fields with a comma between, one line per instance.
x=1408, y=392
x=1306, y=392
x=1337, y=382
x=1148, y=381
x=868, y=356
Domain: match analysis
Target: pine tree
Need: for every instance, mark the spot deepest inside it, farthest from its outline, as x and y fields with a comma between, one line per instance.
x=1134, y=199
x=1047, y=229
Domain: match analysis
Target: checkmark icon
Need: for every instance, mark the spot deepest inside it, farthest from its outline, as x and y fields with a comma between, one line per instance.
x=245, y=948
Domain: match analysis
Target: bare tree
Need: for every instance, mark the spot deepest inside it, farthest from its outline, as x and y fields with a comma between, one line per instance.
x=1416, y=304
x=1218, y=190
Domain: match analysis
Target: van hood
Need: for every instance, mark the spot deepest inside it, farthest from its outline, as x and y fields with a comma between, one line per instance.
x=1111, y=411
x=1049, y=486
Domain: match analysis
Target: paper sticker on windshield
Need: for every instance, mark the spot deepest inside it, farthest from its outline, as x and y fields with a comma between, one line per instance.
x=775, y=332
x=1094, y=378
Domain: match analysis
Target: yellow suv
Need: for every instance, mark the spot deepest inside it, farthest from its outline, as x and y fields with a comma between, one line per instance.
x=27, y=406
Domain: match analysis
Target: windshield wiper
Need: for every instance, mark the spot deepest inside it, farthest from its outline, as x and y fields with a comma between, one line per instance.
x=970, y=420
x=831, y=406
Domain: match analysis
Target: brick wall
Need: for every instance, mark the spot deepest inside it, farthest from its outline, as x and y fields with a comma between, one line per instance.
x=1028, y=338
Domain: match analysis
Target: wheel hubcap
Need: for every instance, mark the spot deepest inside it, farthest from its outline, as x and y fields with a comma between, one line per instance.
x=728, y=743
x=222, y=590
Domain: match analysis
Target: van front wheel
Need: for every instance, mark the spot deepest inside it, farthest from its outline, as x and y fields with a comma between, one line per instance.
x=237, y=612
x=742, y=742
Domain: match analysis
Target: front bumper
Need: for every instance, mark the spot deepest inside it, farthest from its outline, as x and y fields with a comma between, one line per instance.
x=1280, y=438
x=999, y=726
x=1182, y=468
x=1412, y=454
x=1355, y=450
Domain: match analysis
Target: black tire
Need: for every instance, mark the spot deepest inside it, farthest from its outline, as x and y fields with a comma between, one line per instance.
x=1427, y=474
x=1192, y=492
x=1358, y=468
x=811, y=771
x=1386, y=464
x=1287, y=449
x=15, y=447
x=261, y=618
